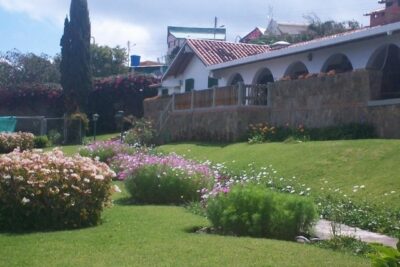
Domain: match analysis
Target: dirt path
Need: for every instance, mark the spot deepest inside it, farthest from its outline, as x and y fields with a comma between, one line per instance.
x=323, y=230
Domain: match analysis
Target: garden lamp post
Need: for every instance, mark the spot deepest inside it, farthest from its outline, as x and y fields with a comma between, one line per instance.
x=95, y=118
x=119, y=119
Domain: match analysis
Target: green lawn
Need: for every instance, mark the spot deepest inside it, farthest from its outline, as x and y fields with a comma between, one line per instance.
x=333, y=164
x=158, y=236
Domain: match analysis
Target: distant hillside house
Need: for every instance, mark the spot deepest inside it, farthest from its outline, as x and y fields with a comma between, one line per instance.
x=283, y=29
x=188, y=71
x=253, y=35
x=156, y=69
x=389, y=14
x=178, y=35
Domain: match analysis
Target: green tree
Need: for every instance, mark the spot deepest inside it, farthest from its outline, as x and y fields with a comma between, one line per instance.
x=107, y=61
x=75, y=66
x=316, y=29
x=17, y=68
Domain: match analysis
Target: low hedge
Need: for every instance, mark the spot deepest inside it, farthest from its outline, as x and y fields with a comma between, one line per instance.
x=163, y=184
x=48, y=191
x=256, y=211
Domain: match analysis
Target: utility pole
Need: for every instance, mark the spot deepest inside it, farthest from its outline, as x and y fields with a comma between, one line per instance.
x=215, y=27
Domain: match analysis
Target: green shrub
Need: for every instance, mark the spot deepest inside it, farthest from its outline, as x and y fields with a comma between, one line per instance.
x=385, y=256
x=11, y=141
x=266, y=132
x=48, y=191
x=55, y=137
x=162, y=184
x=141, y=133
x=255, y=211
x=41, y=141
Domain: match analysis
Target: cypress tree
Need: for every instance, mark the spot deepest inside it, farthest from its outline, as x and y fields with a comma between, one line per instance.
x=75, y=67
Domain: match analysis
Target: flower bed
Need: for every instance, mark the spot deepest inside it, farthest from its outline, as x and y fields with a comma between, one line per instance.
x=106, y=150
x=46, y=191
x=159, y=179
x=11, y=141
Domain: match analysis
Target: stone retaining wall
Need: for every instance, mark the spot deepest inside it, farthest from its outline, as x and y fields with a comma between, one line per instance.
x=314, y=102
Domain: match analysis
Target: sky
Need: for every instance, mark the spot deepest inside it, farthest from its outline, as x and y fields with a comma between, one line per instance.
x=37, y=25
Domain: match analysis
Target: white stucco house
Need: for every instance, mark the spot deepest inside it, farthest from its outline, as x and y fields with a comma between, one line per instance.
x=367, y=48
x=189, y=70
x=204, y=64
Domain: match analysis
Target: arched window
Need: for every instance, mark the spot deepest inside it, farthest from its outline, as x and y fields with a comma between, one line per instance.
x=296, y=69
x=263, y=76
x=338, y=63
x=387, y=60
x=237, y=78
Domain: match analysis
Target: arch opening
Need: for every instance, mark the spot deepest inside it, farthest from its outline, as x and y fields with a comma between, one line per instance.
x=338, y=63
x=263, y=76
x=296, y=70
x=386, y=60
x=236, y=78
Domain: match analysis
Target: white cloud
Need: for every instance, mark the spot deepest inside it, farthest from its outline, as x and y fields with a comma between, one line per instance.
x=111, y=32
x=53, y=10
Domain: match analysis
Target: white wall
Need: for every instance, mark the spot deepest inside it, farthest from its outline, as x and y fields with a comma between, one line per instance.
x=358, y=53
x=195, y=70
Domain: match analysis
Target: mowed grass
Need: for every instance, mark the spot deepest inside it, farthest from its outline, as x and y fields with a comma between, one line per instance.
x=158, y=236
x=320, y=165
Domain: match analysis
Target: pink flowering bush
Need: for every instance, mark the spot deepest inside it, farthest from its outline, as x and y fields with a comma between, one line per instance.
x=48, y=191
x=11, y=141
x=159, y=179
x=106, y=150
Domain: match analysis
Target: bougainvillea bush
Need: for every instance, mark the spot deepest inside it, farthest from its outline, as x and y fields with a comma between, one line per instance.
x=159, y=179
x=122, y=92
x=49, y=191
x=11, y=141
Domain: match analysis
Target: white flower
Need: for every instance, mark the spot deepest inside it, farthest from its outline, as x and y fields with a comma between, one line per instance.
x=117, y=189
x=99, y=177
x=25, y=200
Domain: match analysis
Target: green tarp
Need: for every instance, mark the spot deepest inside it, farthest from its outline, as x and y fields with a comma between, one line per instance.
x=7, y=124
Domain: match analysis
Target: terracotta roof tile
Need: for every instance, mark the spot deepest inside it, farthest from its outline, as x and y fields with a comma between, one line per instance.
x=216, y=52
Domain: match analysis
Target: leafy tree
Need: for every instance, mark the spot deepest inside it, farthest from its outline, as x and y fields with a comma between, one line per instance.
x=107, y=61
x=17, y=68
x=320, y=28
x=76, y=77
x=316, y=29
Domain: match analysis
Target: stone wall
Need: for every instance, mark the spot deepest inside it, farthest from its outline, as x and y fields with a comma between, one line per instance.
x=222, y=124
x=314, y=102
x=386, y=119
x=322, y=101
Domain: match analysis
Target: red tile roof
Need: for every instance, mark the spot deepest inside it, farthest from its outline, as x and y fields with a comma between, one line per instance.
x=216, y=52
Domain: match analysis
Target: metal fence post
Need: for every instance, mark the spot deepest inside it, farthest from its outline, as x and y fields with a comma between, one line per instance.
x=240, y=86
x=173, y=101
x=192, y=100
x=213, y=96
x=65, y=129
x=43, y=126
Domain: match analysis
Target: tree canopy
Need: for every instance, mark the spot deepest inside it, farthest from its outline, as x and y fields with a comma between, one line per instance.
x=316, y=29
x=17, y=68
x=107, y=61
